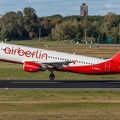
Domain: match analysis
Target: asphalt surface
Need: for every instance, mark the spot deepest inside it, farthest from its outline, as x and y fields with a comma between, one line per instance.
x=60, y=84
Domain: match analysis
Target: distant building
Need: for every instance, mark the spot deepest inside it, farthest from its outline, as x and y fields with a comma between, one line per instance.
x=84, y=10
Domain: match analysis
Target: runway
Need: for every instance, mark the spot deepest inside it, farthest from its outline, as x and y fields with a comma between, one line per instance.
x=61, y=84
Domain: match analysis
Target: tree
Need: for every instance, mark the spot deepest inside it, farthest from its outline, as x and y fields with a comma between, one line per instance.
x=66, y=30
x=109, y=25
x=31, y=22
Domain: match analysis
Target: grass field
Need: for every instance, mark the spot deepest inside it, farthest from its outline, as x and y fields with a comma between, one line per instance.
x=59, y=105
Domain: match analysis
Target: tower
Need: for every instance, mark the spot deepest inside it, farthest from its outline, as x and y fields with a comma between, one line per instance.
x=84, y=10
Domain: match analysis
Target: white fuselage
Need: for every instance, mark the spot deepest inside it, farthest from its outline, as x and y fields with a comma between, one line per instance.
x=20, y=54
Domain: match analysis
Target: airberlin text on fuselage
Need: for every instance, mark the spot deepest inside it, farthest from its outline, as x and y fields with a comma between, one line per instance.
x=27, y=53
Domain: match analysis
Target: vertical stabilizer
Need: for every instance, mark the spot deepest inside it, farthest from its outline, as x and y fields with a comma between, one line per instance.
x=116, y=57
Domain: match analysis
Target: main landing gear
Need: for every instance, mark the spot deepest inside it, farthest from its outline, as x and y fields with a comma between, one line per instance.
x=51, y=76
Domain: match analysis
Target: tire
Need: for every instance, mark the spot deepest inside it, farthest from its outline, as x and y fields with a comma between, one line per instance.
x=52, y=77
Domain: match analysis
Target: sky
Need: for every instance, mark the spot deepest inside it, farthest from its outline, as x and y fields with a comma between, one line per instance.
x=62, y=7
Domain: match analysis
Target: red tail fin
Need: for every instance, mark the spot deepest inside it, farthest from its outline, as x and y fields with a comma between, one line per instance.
x=116, y=57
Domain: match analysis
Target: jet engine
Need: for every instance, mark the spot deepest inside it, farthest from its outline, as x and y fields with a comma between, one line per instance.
x=32, y=67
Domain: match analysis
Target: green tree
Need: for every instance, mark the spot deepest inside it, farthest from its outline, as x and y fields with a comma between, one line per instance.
x=31, y=22
x=110, y=25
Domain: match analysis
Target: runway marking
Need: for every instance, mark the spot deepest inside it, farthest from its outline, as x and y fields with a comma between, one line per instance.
x=113, y=82
x=114, y=89
x=34, y=82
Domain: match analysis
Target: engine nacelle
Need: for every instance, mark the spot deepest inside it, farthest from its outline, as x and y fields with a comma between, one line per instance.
x=32, y=67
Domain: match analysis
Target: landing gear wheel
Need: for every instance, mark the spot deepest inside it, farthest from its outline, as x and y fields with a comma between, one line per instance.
x=52, y=77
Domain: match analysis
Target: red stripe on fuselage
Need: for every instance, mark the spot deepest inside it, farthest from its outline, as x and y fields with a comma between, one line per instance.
x=103, y=68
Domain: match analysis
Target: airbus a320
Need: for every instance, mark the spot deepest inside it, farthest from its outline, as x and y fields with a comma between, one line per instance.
x=35, y=59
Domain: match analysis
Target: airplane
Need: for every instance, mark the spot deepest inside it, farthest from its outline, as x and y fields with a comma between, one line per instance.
x=35, y=59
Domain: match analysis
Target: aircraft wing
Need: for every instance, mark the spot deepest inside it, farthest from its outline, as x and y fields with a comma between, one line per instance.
x=55, y=65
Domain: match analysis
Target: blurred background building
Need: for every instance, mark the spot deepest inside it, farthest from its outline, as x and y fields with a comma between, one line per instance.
x=84, y=10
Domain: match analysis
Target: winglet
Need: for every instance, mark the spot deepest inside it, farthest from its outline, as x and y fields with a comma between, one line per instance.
x=116, y=57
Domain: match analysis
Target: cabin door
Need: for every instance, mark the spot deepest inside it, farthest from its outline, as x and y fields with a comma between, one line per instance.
x=107, y=66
